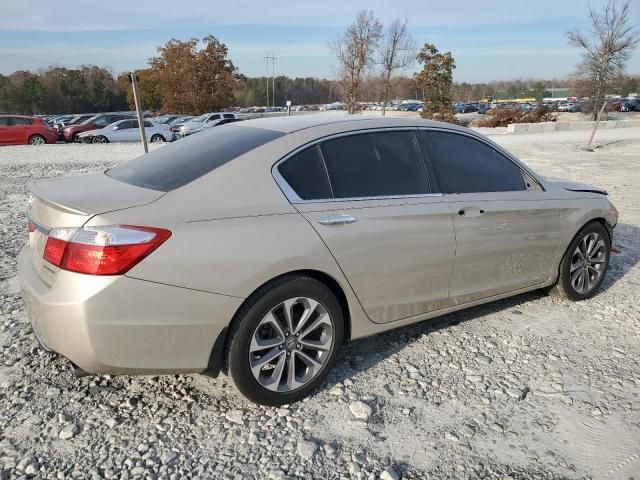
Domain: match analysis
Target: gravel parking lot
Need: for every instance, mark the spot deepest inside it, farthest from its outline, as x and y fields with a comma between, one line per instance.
x=528, y=387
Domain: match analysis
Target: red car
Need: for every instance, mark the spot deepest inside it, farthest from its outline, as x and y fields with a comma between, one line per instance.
x=98, y=121
x=23, y=130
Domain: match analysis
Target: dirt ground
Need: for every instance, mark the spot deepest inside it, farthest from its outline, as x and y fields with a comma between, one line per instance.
x=528, y=387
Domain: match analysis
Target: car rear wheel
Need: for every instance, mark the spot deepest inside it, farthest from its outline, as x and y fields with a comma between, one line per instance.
x=100, y=139
x=283, y=340
x=585, y=263
x=157, y=138
x=37, y=140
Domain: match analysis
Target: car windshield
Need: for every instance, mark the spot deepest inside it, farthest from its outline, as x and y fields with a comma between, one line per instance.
x=201, y=118
x=89, y=120
x=175, y=165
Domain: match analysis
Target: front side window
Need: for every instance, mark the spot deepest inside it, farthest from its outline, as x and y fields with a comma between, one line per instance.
x=213, y=117
x=101, y=122
x=466, y=165
x=375, y=164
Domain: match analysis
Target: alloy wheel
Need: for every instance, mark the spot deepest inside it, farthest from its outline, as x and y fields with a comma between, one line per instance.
x=588, y=263
x=291, y=344
x=37, y=140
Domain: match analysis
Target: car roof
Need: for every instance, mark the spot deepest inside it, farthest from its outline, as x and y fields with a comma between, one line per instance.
x=345, y=122
x=18, y=116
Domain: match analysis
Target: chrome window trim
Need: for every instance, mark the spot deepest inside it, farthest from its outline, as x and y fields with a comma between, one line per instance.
x=293, y=197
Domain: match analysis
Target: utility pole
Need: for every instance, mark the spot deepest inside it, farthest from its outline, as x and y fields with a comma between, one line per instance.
x=273, y=78
x=271, y=57
x=133, y=78
x=267, y=57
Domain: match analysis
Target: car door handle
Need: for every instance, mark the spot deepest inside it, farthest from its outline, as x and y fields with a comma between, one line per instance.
x=337, y=220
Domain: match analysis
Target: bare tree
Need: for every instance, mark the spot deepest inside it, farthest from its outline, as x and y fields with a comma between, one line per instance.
x=606, y=53
x=397, y=52
x=354, y=51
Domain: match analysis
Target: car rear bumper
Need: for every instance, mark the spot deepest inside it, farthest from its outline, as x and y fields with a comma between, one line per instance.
x=120, y=325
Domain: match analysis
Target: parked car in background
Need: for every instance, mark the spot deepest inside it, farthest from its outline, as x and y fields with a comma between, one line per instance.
x=183, y=129
x=166, y=119
x=58, y=126
x=128, y=131
x=206, y=126
x=259, y=248
x=25, y=130
x=70, y=133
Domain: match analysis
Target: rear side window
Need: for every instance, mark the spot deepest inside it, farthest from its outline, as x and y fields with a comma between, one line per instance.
x=4, y=121
x=466, y=165
x=375, y=164
x=177, y=164
x=228, y=115
x=306, y=175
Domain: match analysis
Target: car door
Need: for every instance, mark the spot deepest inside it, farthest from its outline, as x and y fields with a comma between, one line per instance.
x=131, y=132
x=16, y=131
x=507, y=228
x=5, y=133
x=370, y=199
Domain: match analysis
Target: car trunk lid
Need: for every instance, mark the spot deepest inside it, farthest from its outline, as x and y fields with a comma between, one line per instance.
x=69, y=202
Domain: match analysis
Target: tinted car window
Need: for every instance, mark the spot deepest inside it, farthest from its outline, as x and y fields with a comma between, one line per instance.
x=466, y=165
x=175, y=165
x=228, y=115
x=148, y=124
x=101, y=122
x=306, y=175
x=375, y=164
x=4, y=121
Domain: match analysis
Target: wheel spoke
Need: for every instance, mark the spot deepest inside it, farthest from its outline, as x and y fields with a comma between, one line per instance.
x=276, y=376
x=258, y=364
x=324, y=344
x=258, y=344
x=574, y=267
x=585, y=280
x=323, y=319
x=313, y=365
x=595, y=247
x=575, y=275
x=597, y=260
x=306, y=315
x=291, y=372
x=288, y=312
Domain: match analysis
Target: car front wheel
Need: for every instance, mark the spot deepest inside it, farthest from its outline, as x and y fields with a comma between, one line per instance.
x=283, y=340
x=585, y=263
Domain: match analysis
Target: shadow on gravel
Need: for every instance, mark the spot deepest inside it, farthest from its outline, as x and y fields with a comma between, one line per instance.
x=626, y=238
x=362, y=354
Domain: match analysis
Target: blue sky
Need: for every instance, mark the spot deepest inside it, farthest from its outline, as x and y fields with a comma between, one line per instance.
x=490, y=40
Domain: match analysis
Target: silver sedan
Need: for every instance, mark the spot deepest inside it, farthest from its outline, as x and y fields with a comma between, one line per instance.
x=258, y=248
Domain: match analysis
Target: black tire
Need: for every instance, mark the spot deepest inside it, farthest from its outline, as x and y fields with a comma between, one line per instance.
x=564, y=286
x=37, y=140
x=157, y=138
x=100, y=139
x=249, y=316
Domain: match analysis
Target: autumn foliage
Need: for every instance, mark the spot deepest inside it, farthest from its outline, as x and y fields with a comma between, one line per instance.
x=501, y=117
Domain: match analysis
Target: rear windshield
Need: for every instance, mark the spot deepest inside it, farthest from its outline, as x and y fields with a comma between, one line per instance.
x=174, y=165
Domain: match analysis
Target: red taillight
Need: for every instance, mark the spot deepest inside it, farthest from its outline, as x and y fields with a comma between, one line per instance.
x=111, y=250
x=54, y=250
x=32, y=227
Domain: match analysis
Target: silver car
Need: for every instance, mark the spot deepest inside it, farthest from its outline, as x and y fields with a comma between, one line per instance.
x=258, y=248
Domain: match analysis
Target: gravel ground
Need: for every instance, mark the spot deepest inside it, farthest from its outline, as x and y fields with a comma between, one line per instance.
x=529, y=387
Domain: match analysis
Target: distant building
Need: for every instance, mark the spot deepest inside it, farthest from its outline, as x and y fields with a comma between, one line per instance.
x=559, y=92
